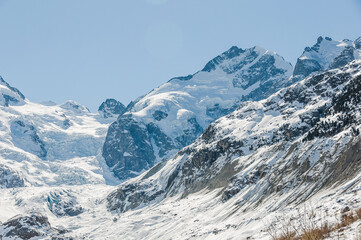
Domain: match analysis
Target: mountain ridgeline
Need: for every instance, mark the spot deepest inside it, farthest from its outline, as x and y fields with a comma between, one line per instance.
x=285, y=149
x=224, y=153
x=173, y=115
x=176, y=113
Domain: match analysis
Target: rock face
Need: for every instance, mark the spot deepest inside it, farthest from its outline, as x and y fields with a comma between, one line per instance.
x=27, y=227
x=62, y=203
x=10, y=95
x=326, y=54
x=111, y=108
x=358, y=43
x=176, y=113
x=289, y=146
x=10, y=178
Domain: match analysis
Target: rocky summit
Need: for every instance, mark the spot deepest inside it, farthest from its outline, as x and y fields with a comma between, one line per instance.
x=111, y=108
x=326, y=54
x=173, y=115
x=294, y=143
x=10, y=95
x=298, y=144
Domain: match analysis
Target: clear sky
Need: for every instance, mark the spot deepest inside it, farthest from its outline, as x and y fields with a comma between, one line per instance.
x=90, y=50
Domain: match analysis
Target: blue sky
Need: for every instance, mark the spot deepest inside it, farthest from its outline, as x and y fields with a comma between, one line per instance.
x=90, y=50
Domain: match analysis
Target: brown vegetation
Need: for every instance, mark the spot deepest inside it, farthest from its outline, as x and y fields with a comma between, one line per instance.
x=308, y=227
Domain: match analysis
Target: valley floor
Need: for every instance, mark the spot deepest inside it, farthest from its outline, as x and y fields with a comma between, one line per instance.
x=199, y=216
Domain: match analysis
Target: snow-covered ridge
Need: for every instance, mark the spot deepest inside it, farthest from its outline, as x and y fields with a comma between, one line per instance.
x=327, y=54
x=283, y=149
x=300, y=144
x=111, y=108
x=47, y=144
x=10, y=95
x=176, y=113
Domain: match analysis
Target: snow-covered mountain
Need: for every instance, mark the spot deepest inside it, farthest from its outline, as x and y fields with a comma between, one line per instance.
x=111, y=108
x=327, y=54
x=173, y=115
x=292, y=140
x=47, y=144
x=176, y=113
x=10, y=95
x=301, y=142
x=235, y=177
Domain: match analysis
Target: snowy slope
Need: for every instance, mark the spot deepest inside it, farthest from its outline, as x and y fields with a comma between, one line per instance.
x=176, y=113
x=173, y=115
x=10, y=95
x=327, y=54
x=299, y=144
x=250, y=170
x=294, y=151
x=49, y=145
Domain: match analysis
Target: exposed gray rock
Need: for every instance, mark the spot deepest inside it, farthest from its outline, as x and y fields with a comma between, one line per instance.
x=346, y=56
x=10, y=178
x=133, y=194
x=231, y=53
x=262, y=71
x=111, y=108
x=288, y=143
x=305, y=67
x=127, y=148
x=175, y=114
x=159, y=115
x=34, y=226
x=326, y=54
x=10, y=95
x=358, y=43
x=62, y=203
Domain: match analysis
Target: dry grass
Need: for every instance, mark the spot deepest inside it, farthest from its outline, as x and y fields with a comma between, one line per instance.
x=308, y=227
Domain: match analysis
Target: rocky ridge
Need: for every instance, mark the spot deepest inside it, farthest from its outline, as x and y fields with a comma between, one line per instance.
x=173, y=115
x=111, y=108
x=326, y=54
x=291, y=145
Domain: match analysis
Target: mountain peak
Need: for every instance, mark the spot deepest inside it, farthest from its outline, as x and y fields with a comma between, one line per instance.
x=174, y=114
x=235, y=59
x=111, y=108
x=74, y=106
x=10, y=95
x=234, y=51
x=320, y=39
x=326, y=54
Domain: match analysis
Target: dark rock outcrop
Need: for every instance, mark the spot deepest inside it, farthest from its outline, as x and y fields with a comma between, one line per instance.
x=326, y=54
x=127, y=148
x=62, y=203
x=175, y=114
x=300, y=140
x=358, y=43
x=28, y=227
x=305, y=67
x=111, y=108
x=346, y=56
x=10, y=95
x=10, y=178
